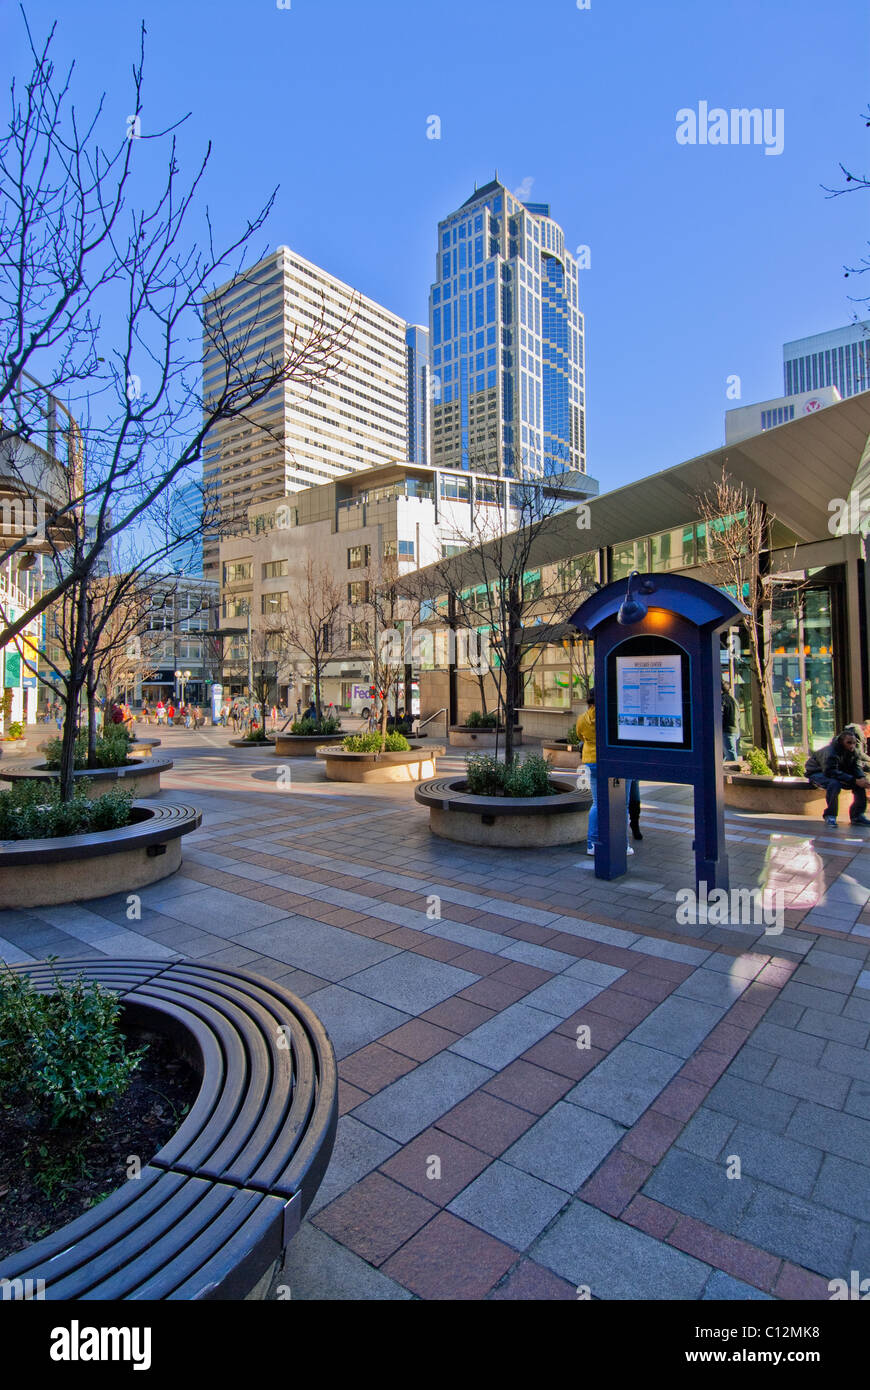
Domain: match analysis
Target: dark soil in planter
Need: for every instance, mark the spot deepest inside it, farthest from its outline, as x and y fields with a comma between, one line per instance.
x=81, y=1166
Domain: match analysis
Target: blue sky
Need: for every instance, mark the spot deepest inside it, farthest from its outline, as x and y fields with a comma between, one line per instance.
x=704, y=259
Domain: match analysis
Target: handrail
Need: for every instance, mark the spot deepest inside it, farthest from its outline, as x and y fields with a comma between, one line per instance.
x=443, y=710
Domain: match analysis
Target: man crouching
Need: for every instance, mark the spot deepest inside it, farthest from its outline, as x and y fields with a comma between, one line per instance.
x=842, y=766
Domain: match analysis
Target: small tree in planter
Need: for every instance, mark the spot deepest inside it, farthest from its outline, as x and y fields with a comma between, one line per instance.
x=311, y=623
x=738, y=530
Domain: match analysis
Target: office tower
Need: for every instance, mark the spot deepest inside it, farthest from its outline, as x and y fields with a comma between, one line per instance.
x=185, y=511
x=419, y=395
x=840, y=358
x=299, y=436
x=506, y=338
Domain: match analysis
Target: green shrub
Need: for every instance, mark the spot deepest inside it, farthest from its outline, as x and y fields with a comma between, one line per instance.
x=798, y=762
x=374, y=743
x=574, y=739
x=62, y=1052
x=16, y=730
x=486, y=776
x=34, y=811
x=112, y=748
x=478, y=720
x=758, y=764
x=329, y=724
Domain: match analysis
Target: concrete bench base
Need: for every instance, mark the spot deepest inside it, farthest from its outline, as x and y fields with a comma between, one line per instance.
x=502, y=822
x=140, y=778
x=412, y=766
x=71, y=868
x=460, y=736
x=303, y=745
x=776, y=796
x=558, y=754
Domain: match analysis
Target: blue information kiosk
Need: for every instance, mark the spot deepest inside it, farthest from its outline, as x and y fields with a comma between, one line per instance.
x=658, y=705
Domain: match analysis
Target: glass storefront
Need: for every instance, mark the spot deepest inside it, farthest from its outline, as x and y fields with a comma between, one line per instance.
x=802, y=666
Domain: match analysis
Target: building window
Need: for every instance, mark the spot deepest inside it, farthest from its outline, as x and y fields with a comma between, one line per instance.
x=389, y=550
x=358, y=592
x=358, y=556
x=358, y=636
x=236, y=607
x=406, y=550
x=275, y=569
x=626, y=558
x=237, y=572
x=274, y=603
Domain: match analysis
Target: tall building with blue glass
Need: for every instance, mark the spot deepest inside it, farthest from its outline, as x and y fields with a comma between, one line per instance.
x=506, y=341
x=838, y=358
x=419, y=395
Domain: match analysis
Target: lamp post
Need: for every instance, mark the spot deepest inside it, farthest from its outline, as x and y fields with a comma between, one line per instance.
x=182, y=676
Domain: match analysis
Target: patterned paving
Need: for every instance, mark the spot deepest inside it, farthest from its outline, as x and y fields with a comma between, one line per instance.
x=547, y=1082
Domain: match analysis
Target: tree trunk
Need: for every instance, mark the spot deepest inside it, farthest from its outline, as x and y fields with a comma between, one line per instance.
x=513, y=657
x=92, y=722
x=74, y=685
x=481, y=681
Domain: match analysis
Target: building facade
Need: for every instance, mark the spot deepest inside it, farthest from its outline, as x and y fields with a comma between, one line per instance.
x=840, y=358
x=747, y=420
x=507, y=341
x=179, y=638
x=812, y=475
x=419, y=395
x=301, y=434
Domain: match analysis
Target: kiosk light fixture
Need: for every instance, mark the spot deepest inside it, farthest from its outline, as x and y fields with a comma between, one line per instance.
x=631, y=610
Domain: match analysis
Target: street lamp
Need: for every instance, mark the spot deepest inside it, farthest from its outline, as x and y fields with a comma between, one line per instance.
x=182, y=676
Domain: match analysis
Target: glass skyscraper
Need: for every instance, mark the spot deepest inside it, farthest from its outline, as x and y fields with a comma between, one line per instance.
x=840, y=358
x=419, y=395
x=506, y=341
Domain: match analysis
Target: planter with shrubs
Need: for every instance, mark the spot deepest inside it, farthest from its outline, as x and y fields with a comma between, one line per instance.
x=480, y=731
x=515, y=805
x=113, y=766
x=763, y=792
x=48, y=847
x=305, y=736
x=564, y=752
x=373, y=758
x=103, y=1071
x=257, y=738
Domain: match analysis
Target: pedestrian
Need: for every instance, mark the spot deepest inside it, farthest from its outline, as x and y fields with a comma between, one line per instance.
x=186, y=711
x=841, y=766
x=586, y=731
x=311, y=712
x=170, y=713
x=234, y=717
x=299, y=707
x=198, y=717
x=160, y=711
x=730, y=725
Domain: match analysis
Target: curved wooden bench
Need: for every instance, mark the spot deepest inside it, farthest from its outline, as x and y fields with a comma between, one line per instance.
x=154, y=823
x=447, y=794
x=217, y=1206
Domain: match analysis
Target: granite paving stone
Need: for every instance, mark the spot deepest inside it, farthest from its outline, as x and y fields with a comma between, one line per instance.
x=617, y=1261
x=807, y=1082
x=351, y=1019
x=757, y=1105
x=626, y=1082
x=509, y=1204
x=805, y=1232
x=358, y=1150
x=700, y=1188
x=678, y=1026
x=330, y=952
x=415, y=1101
x=410, y=982
x=844, y=1186
x=505, y=1036
x=565, y=1146
x=317, y=1267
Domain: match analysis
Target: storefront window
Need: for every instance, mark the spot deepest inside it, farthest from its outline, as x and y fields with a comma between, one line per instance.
x=802, y=667
x=673, y=550
x=626, y=558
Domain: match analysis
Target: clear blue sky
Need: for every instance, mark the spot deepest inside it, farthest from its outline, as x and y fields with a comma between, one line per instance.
x=704, y=259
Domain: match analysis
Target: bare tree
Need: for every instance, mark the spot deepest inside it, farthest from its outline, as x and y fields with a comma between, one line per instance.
x=379, y=625
x=500, y=587
x=311, y=624
x=854, y=182
x=73, y=245
x=738, y=529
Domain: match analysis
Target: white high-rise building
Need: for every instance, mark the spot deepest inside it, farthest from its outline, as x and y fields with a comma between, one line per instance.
x=839, y=358
x=356, y=418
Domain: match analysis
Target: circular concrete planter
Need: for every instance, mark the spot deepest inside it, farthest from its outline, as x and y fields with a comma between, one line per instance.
x=68, y=868
x=777, y=796
x=304, y=745
x=142, y=748
x=559, y=754
x=142, y=779
x=461, y=736
x=412, y=766
x=210, y=1216
x=503, y=822
x=252, y=743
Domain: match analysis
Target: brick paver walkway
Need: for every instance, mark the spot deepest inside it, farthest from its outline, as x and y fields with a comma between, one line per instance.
x=547, y=1082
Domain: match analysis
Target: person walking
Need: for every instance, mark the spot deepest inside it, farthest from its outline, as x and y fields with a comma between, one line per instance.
x=730, y=725
x=160, y=711
x=170, y=713
x=586, y=731
x=841, y=766
x=298, y=708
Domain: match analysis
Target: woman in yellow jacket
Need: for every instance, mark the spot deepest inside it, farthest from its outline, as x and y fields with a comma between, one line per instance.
x=586, y=730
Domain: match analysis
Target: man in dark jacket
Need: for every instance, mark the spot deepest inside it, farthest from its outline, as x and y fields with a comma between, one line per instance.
x=841, y=766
